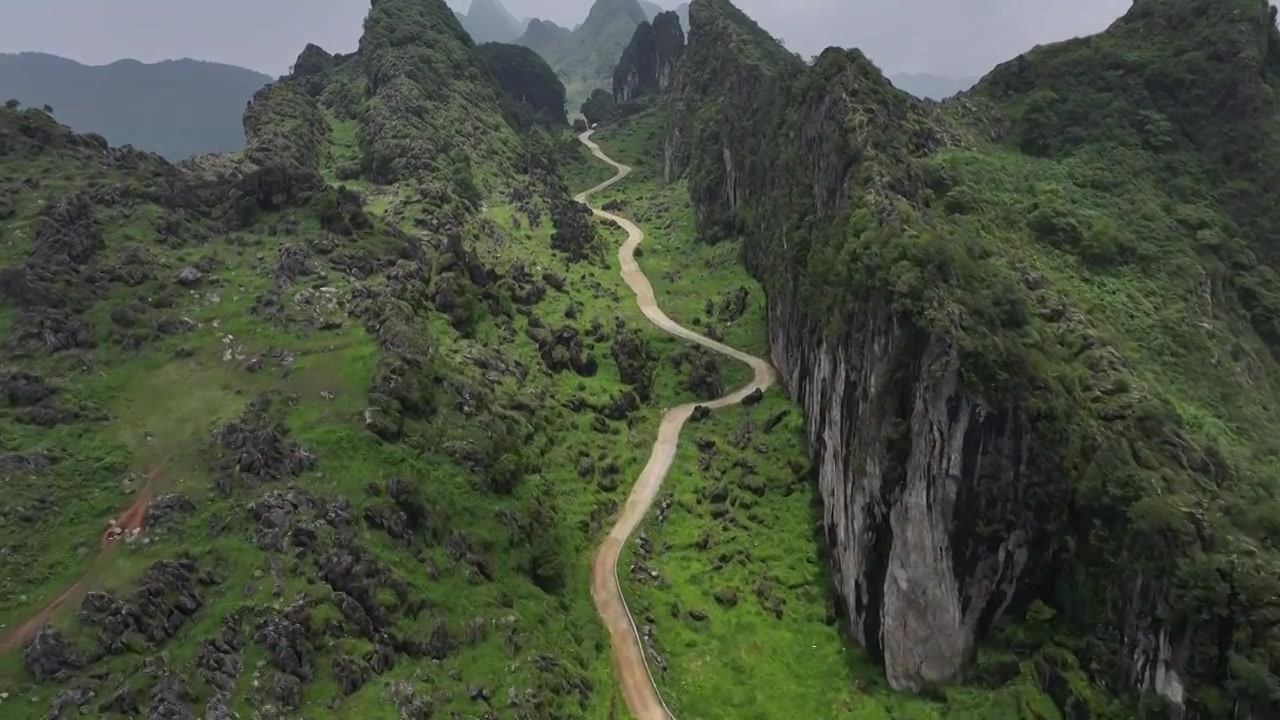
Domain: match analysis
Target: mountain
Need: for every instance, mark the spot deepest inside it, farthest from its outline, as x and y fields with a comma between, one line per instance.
x=543, y=36
x=527, y=81
x=651, y=9
x=308, y=420
x=682, y=11
x=176, y=108
x=489, y=21
x=1034, y=331
x=933, y=87
x=585, y=58
x=648, y=65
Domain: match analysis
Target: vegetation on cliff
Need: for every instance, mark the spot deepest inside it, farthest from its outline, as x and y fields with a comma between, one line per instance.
x=528, y=82
x=647, y=66
x=1087, y=231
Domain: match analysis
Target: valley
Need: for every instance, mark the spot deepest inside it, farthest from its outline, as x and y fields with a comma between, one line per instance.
x=773, y=392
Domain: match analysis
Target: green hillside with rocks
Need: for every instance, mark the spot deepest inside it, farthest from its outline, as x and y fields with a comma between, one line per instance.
x=325, y=428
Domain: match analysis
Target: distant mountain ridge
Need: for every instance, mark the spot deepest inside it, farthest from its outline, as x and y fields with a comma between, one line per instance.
x=683, y=12
x=490, y=21
x=934, y=87
x=585, y=57
x=176, y=108
x=541, y=36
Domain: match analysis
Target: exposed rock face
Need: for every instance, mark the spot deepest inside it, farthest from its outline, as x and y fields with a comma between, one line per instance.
x=312, y=60
x=648, y=64
x=919, y=582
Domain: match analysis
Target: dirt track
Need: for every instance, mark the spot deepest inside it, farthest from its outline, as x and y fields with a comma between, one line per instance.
x=124, y=525
x=637, y=683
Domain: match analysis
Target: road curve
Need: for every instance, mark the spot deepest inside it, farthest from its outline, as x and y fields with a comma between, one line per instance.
x=629, y=659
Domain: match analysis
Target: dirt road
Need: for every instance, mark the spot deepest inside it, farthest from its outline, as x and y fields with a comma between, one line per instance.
x=126, y=524
x=643, y=698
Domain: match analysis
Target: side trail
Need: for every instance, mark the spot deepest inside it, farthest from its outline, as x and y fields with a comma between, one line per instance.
x=638, y=686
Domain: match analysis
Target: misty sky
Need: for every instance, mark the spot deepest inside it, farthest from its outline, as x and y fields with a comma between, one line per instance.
x=950, y=37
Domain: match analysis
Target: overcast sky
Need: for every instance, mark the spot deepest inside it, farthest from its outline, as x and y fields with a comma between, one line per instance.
x=950, y=37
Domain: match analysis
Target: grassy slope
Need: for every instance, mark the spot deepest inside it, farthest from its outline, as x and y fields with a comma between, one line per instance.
x=777, y=652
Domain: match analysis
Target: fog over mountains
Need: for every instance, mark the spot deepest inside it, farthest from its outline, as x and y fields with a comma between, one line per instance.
x=960, y=38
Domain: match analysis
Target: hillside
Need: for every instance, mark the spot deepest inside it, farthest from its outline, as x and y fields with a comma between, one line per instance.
x=489, y=21
x=328, y=427
x=176, y=108
x=1033, y=331
x=585, y=58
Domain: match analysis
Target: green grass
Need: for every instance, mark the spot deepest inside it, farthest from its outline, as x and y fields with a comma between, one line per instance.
x=586, y=171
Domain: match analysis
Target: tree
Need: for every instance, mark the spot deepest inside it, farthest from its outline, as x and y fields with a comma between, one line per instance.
x=13, y=104
x=579, y=125
x=599, y=106
x=48, y=109
x=464, y=179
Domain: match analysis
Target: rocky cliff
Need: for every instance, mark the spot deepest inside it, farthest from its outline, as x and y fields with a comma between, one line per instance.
x=952, y=297
x=648, y=64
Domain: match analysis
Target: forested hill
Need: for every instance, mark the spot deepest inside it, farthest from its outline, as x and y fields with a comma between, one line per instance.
x=1035, y=331
x=176, y=108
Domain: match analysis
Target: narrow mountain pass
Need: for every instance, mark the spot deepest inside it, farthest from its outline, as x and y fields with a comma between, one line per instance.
x=637, y=683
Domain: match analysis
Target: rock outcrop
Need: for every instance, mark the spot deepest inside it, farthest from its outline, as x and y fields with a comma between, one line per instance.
x=907, y=470
x=648, y=64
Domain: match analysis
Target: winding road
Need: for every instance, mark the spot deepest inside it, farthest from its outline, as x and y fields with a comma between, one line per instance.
x=638, y=686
